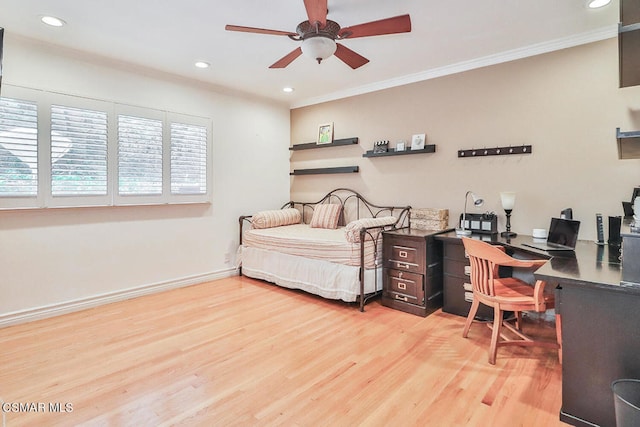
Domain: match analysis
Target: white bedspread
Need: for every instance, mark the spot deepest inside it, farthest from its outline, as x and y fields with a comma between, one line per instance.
x=326, y=279
x=312, y=243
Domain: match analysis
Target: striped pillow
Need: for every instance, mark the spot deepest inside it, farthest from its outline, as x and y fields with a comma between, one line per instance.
x=352, y=230
x=326, y=215
x=275, y=218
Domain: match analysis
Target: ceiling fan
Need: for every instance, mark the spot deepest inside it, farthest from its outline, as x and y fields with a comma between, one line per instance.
x=319, y=35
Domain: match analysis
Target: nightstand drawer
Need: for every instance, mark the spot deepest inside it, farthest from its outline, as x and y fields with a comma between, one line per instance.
x=406, y=284
x=405, y=254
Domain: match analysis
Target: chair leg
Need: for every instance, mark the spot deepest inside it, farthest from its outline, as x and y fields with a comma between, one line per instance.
x=472, y=314
x=495, y=334
x=518, y=320
x=559, y=336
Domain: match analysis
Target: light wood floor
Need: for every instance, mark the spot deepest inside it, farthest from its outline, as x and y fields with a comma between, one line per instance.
x=239, y=352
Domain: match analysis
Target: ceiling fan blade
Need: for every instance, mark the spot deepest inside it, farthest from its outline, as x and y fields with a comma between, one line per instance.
x=258, y=30
x=397, y=24
x=287, y=59
x=316, y=11
x=349, y=57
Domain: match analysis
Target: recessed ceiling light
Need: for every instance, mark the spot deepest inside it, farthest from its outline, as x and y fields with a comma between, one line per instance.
x=288, y=89
x=202, y=64
x=594, y=4
x=53, y=21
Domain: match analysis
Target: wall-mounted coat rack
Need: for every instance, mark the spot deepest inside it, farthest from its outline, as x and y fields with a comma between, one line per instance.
x=497, y=151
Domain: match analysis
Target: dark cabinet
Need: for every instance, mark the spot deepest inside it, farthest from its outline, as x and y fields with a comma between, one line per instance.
x=629, y=43
x=457, y=291
x=412, y=271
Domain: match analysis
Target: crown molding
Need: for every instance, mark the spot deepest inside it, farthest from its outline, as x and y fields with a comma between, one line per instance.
x=499, y=58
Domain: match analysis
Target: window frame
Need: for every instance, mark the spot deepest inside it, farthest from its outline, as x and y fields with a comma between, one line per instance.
x=44, y=198
x=196, y=121
x=82, y=103
x=143, y=199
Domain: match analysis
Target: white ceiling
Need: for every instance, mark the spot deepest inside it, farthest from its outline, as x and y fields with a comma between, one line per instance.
x=170, y=35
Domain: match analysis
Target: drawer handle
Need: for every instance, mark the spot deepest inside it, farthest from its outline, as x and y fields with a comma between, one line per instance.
x=400, y=275
x=466, y=255
x=401, y=265
x=403, y=254
x=402, y=286
x=467, y=270
x=401, y=298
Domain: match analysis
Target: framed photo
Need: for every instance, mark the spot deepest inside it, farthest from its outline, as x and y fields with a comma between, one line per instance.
x=400, y=146
x=417, y=141
x=325, y=133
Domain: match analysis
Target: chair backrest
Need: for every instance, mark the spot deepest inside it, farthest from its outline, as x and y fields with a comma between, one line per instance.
x=485, y=260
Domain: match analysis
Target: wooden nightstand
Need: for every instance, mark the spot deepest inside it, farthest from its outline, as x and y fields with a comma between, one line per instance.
x=412, y=273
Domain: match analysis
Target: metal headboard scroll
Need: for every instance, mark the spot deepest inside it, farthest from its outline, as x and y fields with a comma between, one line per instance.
x=361, y=207
x=497, y=151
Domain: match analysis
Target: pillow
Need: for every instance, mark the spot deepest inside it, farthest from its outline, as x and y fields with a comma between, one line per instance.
x=352, y=230
x=275, y=218
x=326, y=215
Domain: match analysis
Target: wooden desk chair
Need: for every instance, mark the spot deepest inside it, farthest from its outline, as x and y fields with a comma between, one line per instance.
x=505, y=294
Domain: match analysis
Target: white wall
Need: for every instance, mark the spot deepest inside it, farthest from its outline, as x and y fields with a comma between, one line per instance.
x=50, y=257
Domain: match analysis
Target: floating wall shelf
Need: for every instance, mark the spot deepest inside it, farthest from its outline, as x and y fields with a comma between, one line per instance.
x=335, y=143
x=628, y=144
x=497, y=151
x=321, y=171
x=392, y=152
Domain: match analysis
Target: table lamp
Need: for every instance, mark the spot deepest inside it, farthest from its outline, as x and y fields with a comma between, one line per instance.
x=508, y=199
x=477, y=201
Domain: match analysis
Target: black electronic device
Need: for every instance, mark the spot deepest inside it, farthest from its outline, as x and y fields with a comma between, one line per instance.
x=636, y=193
x=563, y=235
x=615, y=222
x=600, y=229
x=486, y=223
x=566, y=213
x=627, y=207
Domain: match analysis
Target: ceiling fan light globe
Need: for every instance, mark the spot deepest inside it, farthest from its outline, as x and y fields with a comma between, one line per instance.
x=318, y=47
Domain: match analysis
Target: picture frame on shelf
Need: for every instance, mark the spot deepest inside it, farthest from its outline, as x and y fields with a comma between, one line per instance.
x=417, y=141
x=325, y=134
x=381, y=146
x=400, y=146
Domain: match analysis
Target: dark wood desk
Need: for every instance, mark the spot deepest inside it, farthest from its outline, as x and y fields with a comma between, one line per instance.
x=600, y=325
x=456, y=270
x=600, y=331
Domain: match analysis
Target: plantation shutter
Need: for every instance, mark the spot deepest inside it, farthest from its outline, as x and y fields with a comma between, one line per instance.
x=188, y=159
x=78, y=152
x=139, y=156
x=18, y=148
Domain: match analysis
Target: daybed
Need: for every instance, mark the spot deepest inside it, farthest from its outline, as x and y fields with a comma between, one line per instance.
x=331, y=248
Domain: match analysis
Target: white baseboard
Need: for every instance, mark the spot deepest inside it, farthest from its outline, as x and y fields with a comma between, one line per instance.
x=58, y=309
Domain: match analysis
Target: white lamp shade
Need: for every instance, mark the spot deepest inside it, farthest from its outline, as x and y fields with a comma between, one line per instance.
x=508, y=199
x=318, y=47
x=594, y=4
x=477, y=201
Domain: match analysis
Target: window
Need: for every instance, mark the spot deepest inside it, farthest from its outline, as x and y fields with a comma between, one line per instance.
x=78, y=152
x=139, y=156
x=18, y=148
x=188, y=159
x=66, y=151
